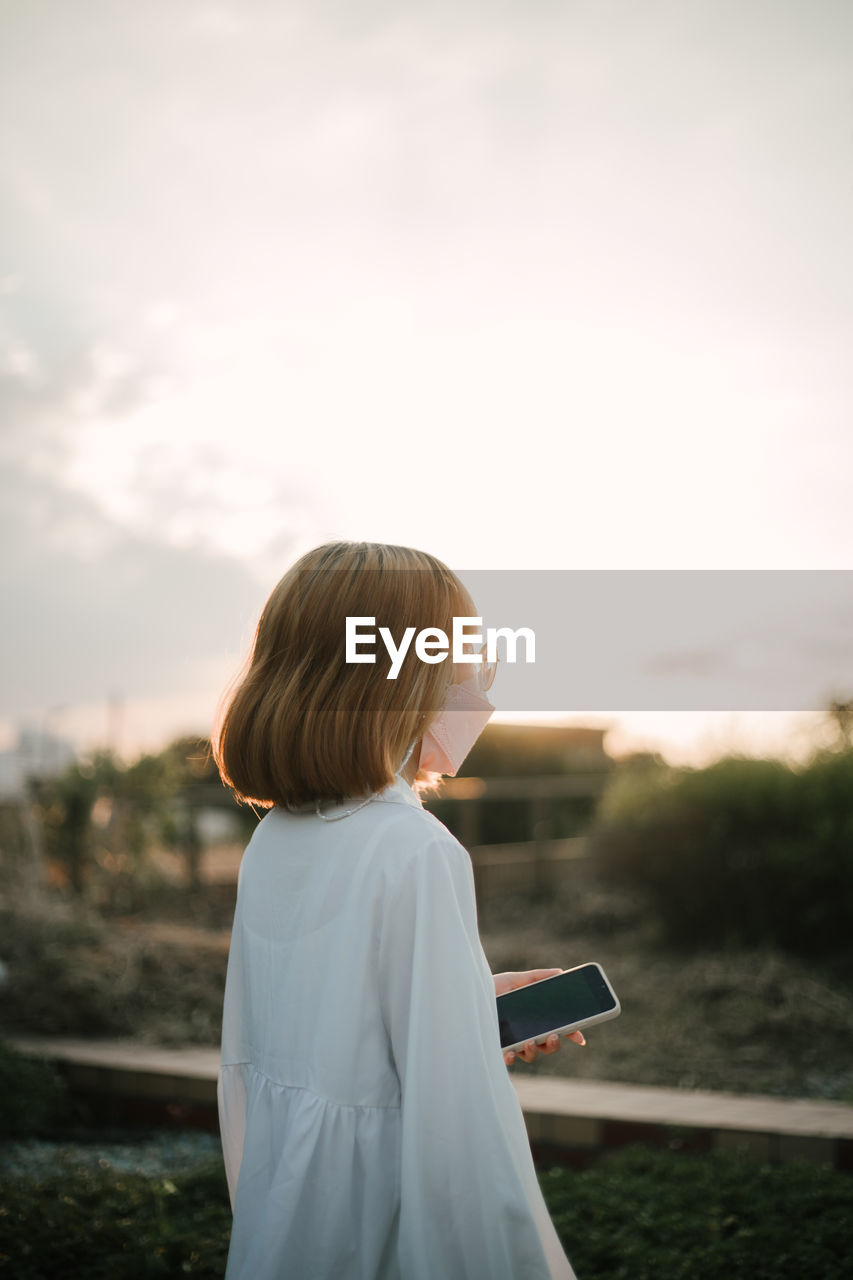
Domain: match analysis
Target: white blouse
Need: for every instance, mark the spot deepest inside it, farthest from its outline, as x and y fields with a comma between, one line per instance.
x=369, y=1126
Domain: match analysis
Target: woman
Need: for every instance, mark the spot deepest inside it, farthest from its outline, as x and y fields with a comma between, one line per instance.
x=369, y=1127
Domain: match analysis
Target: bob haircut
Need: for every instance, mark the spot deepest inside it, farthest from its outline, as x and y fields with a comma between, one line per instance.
x=300, y=724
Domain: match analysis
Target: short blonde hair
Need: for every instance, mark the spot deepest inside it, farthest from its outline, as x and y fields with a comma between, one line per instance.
x=301, y=724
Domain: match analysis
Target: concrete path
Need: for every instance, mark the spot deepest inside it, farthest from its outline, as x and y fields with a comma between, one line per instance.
x=573, y=1115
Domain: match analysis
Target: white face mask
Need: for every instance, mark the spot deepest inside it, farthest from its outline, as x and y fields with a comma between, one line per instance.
x=456, y=728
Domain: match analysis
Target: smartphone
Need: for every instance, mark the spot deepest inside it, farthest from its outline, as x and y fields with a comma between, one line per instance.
x=577, y=998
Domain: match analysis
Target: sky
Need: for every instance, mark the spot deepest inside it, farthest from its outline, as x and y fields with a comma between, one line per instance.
x=541, y=286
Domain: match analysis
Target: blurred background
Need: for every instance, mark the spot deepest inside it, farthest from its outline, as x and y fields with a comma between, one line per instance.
x=552, y=286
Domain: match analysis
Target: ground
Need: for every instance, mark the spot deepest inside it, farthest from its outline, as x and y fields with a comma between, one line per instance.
x=738, y=1021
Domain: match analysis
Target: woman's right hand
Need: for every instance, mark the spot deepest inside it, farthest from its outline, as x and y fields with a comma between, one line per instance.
x=511, y=982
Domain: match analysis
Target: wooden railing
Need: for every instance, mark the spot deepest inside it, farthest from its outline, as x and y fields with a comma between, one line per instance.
x=535, y=867
x=531, y=868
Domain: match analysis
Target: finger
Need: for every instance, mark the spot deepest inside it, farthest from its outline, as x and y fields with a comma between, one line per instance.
x=551, y=1045
x=528, y=1053
x=536, y=975
x=577, y=1036
x=509, y=1058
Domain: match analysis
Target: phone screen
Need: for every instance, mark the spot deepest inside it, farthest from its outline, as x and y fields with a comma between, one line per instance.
x=569, y=997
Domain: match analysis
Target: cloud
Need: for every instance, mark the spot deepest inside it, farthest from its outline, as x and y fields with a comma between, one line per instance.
x=90, y=607
x=593, y=258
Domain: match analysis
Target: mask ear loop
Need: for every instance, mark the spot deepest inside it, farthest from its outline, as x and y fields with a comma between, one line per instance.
x=408, y=754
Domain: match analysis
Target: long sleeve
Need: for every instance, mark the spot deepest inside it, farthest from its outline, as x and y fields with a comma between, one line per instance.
x=470, y=1203
x=231, y=1083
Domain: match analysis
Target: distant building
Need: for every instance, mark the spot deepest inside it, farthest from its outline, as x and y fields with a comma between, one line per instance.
x=37, y=754
x=511, y=749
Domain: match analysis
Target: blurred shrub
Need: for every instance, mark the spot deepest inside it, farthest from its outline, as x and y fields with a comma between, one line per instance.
x=100, y=823
x=746, y=851
x=651, y=1214
x=33, y=1097
x=84, y=978
x=637, y=1213
x=93, y=1223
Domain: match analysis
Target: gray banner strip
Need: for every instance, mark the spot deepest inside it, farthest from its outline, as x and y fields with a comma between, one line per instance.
x=671, y=640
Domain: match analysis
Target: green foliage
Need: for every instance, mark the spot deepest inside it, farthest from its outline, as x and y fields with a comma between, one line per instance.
x=746, y=852
x=637, y=1215
x=33, y=1097
x=103, y=1225
x=101, y=819
x=63, y=806
x=643, y=1215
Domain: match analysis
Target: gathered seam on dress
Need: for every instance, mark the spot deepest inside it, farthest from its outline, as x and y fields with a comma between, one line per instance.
x=321, y=1097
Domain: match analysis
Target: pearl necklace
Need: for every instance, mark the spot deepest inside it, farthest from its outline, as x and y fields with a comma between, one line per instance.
x=346, y=814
